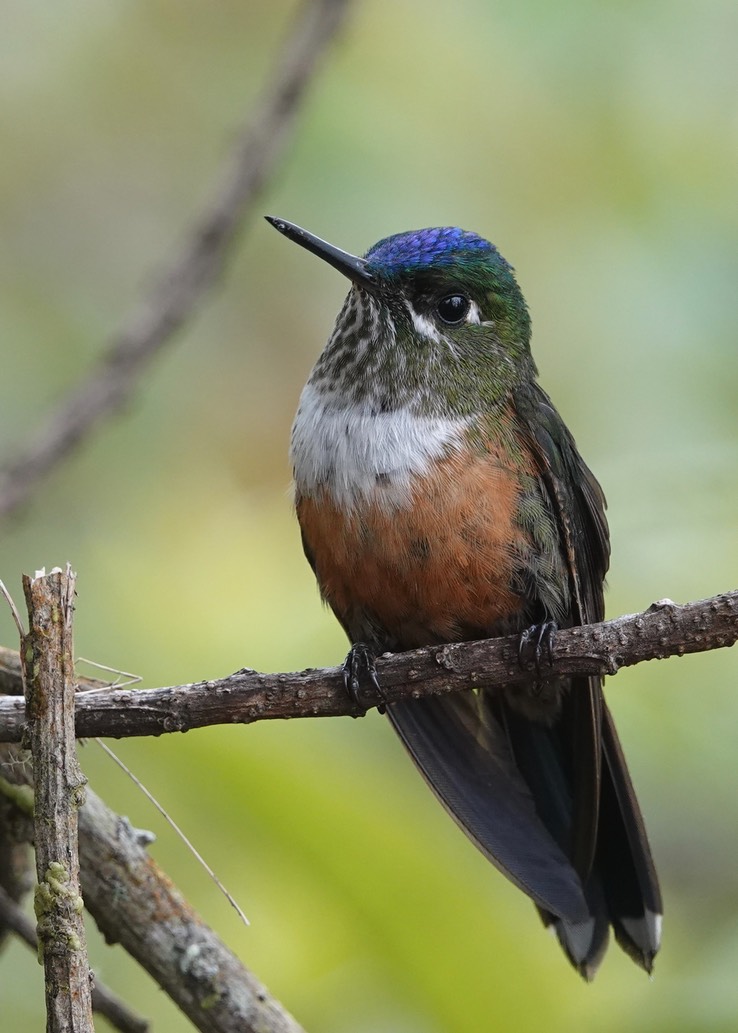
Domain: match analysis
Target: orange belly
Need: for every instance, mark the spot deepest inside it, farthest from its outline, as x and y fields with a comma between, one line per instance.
x=429, y=572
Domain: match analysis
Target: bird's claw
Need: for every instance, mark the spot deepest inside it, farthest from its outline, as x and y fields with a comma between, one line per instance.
x=357, y=667
x=536, y=640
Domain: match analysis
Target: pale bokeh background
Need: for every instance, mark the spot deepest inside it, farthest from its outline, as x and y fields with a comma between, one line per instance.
x=596, y=144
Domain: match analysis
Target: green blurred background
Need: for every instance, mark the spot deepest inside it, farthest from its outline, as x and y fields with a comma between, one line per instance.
x=596, y=143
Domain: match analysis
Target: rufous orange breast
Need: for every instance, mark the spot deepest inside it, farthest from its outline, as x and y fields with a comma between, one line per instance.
x=430, y=569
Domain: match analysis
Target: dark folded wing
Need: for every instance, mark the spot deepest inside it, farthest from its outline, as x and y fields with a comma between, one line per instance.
x=608, y=828
x=576, y=499
x=525, y=792
x=465, y=755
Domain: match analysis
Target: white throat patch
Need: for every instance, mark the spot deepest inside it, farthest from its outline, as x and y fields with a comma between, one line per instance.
x=359, y=455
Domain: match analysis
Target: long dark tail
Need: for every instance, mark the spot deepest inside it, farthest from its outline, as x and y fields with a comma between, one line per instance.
x=510, y=783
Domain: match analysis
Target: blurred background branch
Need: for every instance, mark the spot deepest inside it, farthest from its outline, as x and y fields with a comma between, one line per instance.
x=182, y=287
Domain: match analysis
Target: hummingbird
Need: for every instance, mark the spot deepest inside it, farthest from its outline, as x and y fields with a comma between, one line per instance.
x=441, y=498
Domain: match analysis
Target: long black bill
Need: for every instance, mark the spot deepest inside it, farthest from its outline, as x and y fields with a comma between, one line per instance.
x=351, y=266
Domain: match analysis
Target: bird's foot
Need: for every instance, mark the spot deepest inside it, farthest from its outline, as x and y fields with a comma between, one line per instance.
x=535, y=643
x=357, y=668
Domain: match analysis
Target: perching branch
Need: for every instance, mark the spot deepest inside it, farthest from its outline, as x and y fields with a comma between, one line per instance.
x=182, y=287
x=48, y=668
x=665, y=629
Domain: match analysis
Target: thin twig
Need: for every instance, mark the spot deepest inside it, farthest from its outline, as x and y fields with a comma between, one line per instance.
x=13, y=609
x=181, y=288
x=122, y=678
x=104, y=1001
x=58, y=791
x=176, y=829
x=665, y=629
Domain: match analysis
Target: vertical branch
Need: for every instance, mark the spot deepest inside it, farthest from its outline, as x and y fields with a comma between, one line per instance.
x=48, y=668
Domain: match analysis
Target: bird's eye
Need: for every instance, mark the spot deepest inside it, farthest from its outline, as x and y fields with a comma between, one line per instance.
x=453, y=309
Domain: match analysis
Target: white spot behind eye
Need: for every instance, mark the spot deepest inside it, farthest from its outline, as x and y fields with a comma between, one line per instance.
x=427, y=328
x=423, y=325
x=473, y=315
